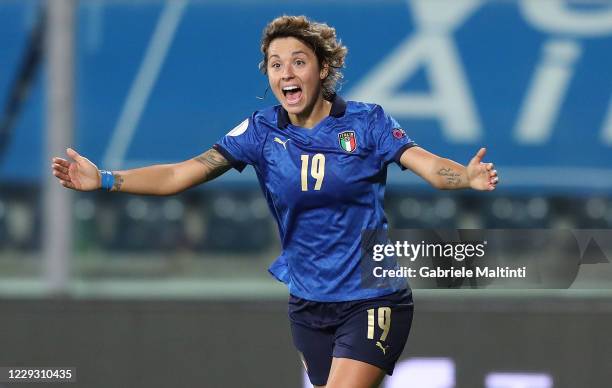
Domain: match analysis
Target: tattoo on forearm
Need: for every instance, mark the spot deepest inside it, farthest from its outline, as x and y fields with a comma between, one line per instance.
x=118, y=182
x=452, y=177
x=216, y=163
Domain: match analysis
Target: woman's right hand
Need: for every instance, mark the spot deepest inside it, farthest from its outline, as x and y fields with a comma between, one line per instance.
x=79, y=174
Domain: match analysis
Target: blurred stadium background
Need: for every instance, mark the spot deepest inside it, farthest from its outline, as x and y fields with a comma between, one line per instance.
x=174, y=292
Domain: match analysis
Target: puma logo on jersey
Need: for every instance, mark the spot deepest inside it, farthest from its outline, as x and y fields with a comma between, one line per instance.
x=279, y=141
x=383, y=348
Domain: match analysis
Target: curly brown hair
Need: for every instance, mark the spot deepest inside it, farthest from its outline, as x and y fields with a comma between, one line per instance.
x=320, y=37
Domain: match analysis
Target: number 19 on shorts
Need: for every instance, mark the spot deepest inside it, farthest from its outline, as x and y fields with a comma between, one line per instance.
x=384, y=321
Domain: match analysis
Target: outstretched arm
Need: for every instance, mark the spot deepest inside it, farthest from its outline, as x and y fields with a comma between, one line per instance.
x=162, y=179
x=446, y=174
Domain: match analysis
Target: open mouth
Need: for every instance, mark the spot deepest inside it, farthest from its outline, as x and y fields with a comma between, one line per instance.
x=292, y=94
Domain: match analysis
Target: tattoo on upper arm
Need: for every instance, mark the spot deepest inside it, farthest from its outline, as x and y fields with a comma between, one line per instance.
x=118, y=182
x=216, y=163
x=452, y=177
x=213, y=159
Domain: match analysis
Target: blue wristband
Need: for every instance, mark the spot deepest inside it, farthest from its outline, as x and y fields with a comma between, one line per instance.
x=108, y=179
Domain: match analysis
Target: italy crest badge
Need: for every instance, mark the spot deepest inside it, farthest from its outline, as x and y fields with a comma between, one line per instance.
x=348, y=141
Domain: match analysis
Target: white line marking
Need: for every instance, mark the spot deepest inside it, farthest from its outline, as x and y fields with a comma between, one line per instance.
x=144, y=82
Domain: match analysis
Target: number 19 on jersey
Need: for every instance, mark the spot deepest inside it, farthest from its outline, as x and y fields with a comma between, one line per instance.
x=317, y=170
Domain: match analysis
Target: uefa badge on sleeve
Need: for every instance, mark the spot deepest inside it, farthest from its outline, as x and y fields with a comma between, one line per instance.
x=398, y=133
x=348, y=141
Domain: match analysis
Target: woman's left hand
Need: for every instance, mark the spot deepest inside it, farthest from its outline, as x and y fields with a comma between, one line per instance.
x=481, y=176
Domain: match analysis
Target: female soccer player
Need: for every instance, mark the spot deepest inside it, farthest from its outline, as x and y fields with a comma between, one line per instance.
x=322, y=165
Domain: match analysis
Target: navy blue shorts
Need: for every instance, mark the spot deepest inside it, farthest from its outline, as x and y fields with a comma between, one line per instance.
x=369, y=330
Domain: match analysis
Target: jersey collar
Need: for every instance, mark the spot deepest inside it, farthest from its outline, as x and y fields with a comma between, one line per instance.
x=337, y=110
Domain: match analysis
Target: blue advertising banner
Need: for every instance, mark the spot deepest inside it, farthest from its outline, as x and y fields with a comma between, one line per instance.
x=162, y=81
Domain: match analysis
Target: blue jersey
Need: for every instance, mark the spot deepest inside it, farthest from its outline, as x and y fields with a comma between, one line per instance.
x=324, y=186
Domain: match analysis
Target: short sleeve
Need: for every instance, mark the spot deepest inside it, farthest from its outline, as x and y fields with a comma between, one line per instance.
x=241, y=145
x=390, y=139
